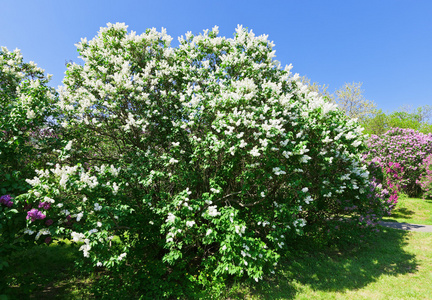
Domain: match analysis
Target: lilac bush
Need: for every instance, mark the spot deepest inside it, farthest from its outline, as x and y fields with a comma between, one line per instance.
x=425, y=179
x=408, y=148
x=204, y=160
x=386, y=183
x=27, y=104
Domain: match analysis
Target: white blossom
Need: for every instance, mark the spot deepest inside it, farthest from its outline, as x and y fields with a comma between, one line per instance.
x=170, y=218
x=97, y=207
x=190, y=223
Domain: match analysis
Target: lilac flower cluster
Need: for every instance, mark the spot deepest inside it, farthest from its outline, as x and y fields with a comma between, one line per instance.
x=408, y=148
x=45, y=205
x=35, y=214
x=425, y=179
x=385, y=184
x=6, y=200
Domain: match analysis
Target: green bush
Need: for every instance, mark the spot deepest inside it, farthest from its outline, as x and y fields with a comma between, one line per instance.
x=187, y=166
x=26, y=139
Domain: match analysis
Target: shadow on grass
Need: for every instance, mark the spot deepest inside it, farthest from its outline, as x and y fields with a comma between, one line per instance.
x=339, y=271
x=42, y=272
x=402, y=213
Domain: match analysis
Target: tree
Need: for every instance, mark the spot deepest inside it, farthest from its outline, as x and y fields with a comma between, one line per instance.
x=350, y=100
x=380, y=122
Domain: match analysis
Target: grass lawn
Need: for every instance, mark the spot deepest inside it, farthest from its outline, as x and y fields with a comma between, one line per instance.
x=412, y=210
x=394, y=264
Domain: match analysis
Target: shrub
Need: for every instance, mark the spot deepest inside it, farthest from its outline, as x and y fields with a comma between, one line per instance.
x=26, y=139
x=389, y=179
x=189, y=165
x=425, y=179
x=26, y=134
x=406, y=147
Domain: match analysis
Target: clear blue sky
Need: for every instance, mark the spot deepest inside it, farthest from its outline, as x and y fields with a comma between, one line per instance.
x=386, y=44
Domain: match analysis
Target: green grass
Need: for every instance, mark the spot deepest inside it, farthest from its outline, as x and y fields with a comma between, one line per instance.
x=412, y=210
x=394, y=264
x=45, y=272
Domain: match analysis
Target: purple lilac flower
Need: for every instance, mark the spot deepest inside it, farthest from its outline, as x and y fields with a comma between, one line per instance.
x=6, y=200
x=35, y=214
x=49, y=222
x=48, y=240
x=404, y=149
x=45, y=205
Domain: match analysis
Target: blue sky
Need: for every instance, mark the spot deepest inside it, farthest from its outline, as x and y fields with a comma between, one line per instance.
x=385, y=44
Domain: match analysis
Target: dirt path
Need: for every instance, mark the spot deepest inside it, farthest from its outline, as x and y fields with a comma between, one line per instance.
x=407, y=226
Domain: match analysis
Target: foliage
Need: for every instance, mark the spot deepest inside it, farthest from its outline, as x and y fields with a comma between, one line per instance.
x=406, y=147
x=26, y=103
x=192, y=165
x=349, y=98
x=425, y=179
x=367, y=267
x=379, y=122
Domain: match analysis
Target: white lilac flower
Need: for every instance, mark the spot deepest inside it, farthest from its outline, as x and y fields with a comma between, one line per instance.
x=97, y=207
x=31, y=114
x=68, y=146
x=255, y=152
x=212, y=211
x=305, y=158
x=278, y=171
x=356, y=143
x=173, y=161
x=308, y=199
x=214, y=191
x=28, y=231
x=49, y=200
x=304, y=190
x=170, y=218
x=209, y=231
x=190, y=223
x=115, y=187
x=79, y=216
x=77, y=237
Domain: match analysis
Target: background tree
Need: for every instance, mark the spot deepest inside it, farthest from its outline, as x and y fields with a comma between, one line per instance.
x=350, y=99
x=418, y=119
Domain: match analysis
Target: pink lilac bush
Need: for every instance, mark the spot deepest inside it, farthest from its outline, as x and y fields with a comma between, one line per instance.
x=406, y=147
x=385, y=184
x=425, y=179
